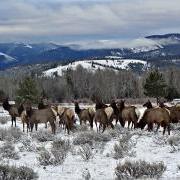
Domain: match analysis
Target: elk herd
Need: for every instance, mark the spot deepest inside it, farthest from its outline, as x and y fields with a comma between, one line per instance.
x=102, y=115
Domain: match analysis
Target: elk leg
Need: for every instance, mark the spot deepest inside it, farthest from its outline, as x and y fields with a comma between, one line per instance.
x=164, y=129
x=12, y=121
x=96, y=125
x=168, y=129
x=53, y=127
x=32, y=125
x=36, y=126
x=15, y=121
x=80, y=121
x=150, y=127
x=117, y=120
x=129, y=124
x=121, y=122
x=157, y=127
x=104, y=127
x=27, y=124
x=46, y=125
x=112, y=126
x=23, y=126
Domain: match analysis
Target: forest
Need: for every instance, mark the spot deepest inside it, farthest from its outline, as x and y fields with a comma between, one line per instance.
x=87, y=85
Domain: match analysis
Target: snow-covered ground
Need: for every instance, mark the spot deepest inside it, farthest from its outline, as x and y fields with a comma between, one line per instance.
x=149, y=147
x=97, y=64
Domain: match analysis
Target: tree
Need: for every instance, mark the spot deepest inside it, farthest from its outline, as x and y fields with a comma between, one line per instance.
x=171, y=91
x=28, y=90
x=155, y=85
x=2, y=95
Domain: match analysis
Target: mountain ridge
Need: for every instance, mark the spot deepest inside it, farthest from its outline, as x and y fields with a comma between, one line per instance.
x=162, y=47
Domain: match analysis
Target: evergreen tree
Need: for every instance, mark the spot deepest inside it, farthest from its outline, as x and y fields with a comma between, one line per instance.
x=27, y=90
x=155, y=85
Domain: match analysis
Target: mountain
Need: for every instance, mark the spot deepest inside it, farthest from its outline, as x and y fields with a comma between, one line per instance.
x=160, y=50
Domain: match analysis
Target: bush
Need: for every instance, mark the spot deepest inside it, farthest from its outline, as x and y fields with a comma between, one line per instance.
x=45, y=158
x=10, y=134
x=139, y=169
x=43, y=136
x=59, y=150
x=61, y=144
x=4, y=120
x=174, y=142
x=89, y=137
x=57, y=155
x=27, y=145
x=17, y=173
x=123, y=147
x=86, y=174
x=85, y=151
x=8, y=151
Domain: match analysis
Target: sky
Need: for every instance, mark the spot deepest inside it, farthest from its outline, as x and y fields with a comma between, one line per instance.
x=72, y=21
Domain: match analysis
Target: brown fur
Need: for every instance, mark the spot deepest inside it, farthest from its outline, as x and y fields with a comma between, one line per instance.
x=174, y=112
x=159, y=116
x=101, y=118
x=12, y=109
x=67, y=117
x=127, y=114
x=85, y=114
x=42, y=116
x=25, y=120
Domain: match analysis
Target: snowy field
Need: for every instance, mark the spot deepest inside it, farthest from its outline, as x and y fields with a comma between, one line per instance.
x=148, y=146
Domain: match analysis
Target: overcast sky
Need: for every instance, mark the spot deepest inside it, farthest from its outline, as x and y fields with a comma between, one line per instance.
x=86, y=20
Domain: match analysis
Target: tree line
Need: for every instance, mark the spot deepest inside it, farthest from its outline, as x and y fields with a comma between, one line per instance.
x=84, y=84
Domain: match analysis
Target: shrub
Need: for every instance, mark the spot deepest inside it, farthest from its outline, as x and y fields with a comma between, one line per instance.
x=45, y=158
x=123, y=147
x=8, y=151
x=57, y=155
x=159, y=140
x=174, y=142
x=138, y=169
x=27, y=145
x=81, y=128
x=85, y=151
x=17, y=173
x=4, y=120
x=43, y=136
x=61, y=144
x=86, y=174
x=89, y=137
x=10, y=134
x=59, y=150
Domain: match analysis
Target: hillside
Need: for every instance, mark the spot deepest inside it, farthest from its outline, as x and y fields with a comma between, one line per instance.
x=92, y=65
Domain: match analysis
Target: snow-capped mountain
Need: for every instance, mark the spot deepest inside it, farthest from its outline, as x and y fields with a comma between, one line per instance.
x=93, y=65
x=155, y=48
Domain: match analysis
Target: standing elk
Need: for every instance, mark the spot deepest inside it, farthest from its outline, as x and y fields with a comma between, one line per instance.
x=85, y=114
x=128, y=114
x=67, y=117
x=37, y=116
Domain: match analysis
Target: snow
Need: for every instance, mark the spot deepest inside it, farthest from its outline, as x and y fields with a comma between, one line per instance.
x=101, y=167
x=28, y=46
x=7, y=57
x=93, y=65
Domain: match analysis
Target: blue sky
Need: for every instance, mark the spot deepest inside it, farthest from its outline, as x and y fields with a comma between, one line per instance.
x=86, y=20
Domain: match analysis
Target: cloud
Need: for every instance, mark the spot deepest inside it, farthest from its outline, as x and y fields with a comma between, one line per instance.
x=60, y=20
